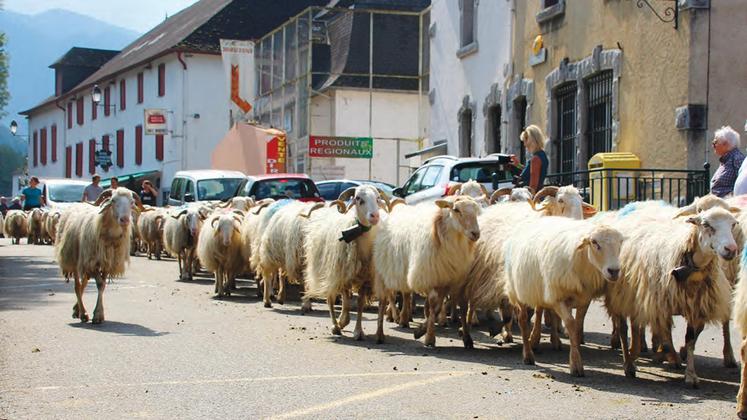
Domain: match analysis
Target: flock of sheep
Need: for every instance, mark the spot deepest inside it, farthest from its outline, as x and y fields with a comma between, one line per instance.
x=515, y=253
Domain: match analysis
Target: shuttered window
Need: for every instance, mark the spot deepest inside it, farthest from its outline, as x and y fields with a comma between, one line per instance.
x=54, y=142
x=36, y=148
x=139, y=145
x=120, y=148
x=94, y=110
x=69, y=162
x=162, y=79
x=80, y=116
x=69, y=115
x=122, y=95
x=140, y=88
x=43, y=145
x=159, y=147
x=79, y=159
x=107, y=101
x=92, y=156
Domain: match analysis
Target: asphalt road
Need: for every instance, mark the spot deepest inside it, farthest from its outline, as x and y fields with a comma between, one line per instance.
x=169, y=349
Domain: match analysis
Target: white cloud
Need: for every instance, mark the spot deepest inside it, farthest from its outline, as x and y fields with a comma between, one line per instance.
x=138, y=15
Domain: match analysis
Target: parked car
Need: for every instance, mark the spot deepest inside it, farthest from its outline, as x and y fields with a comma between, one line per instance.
x=62, y=192
x=432, y=180
x=331, y=189
x=204, y=185
x=278, y=186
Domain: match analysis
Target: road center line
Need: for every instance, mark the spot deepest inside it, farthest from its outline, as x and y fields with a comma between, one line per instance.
x=367, y=396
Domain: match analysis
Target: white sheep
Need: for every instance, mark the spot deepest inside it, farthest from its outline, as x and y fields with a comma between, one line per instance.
x=739, y=312
x=338, y=251
x=150, y=227
x=672, y=268
x=51, y=223
x=472, y=189
x=425, y=249
x=34, y=217
x=180, y=233
x=238, y=203
x=219, y=248
x=584, y=257
x=95, y=243
x=16, y=225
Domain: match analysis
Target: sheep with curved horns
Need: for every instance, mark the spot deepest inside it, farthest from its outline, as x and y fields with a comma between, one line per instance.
x=425, y=249
x=180, y=232
x=672, y=268
x=16, y=226
x=338, y=250
x=517, y=194
x=150, y=227
x=281, y=248
x=584, y=258
x=238, y=203
x=219, y=248
x=472, y=189
x=95, y=243
x=34, y=217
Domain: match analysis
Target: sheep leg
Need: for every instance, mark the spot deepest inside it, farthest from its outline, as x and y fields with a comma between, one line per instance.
x=507, y=314
x=742, y=395
x=576, y=364
x=456, y=313
x=635, y=339
x=336, y=330
x=306, y=306
x=537, y=328
x=528, y=354
x=79, y=311
x=380, y=322
x=181, y=268
x=555, y=331
x=436, y=300
x=391, y=308
x=691, y=377
x=358, y=331
x=668, y=352
x=98, y=311
x=158, y=250
x=729, y=360
x=581, y=311
x=219, y=282
x=405, y=315
x=442, y=315
x=464, y=315
x=345, y=310
x=621, y=325
x=644, y=345
x=267, y=277
x=281, y=289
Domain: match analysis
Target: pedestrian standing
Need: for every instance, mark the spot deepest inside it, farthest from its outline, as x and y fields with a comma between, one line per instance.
x=3, y=205
x=533, y=173
x=15, y=204
x=148, y=193
x=726, y=146
x=32, y=196
x=93, y=190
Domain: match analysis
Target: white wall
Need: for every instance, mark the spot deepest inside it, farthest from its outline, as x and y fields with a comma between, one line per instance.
x=451, y=77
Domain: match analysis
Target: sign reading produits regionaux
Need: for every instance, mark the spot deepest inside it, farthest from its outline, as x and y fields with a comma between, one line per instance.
x=341, y=147
x=155, y=122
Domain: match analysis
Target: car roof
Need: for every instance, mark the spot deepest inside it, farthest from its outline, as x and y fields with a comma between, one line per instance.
x=201, y=174
x=277, y=176
x=495, y=157
x=339, y=181
x=59, y=181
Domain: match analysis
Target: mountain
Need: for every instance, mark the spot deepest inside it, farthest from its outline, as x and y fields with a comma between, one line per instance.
x=36, y=41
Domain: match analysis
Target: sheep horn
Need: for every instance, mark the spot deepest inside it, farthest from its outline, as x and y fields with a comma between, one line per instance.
x=454, y=189
x=212, y=224
x=531, y=190
x=239, y=212
x=261, y=206
x=307, y=213
x=103, y=196
x=484, y=191
x=588, y=210
x=345, y=195
x=688, y=210
x=105, y=205
x=395, y=201
x=340, y=205
x=138, y=202
x=499, y=193
x=551, y=191
x=183, y=212
x=383, y=196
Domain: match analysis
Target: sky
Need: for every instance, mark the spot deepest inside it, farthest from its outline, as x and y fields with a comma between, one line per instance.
x=137, y=15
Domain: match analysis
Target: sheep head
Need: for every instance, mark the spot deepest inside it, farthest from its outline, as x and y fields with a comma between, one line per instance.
x=715, y=231
x=226, y=226
x=120, y=204
x=366, y=200
x=706, y=202
x=462, y=216
x=561, y=201
x=602, y=246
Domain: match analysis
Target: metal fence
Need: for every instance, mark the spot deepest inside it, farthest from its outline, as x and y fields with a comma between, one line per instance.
x=610, y=188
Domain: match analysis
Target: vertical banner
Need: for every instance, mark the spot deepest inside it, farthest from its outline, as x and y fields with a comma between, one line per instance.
x=276, y=154
x=238, y=64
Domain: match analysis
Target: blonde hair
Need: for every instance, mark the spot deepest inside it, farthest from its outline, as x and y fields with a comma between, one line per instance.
x=536, y=136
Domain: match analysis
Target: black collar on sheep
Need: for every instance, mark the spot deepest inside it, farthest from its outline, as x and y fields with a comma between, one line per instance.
x=354, y=232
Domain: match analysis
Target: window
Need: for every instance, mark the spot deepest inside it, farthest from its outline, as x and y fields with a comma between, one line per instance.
x=122, y=95
x=189, y=188
x=69, y=162
x=92, y=156
x=107, y=101
x=413, y=184
x=494, y=129
x=140, y=88
x=79, y=111
x=120, y=148
x=162, y=79
x=520, y=118
x=329, y=191
x=36, y=148
x=225, y=188
x=94, y=110
x=465, y=134
x=431, y=177
x=69, y=115
x=54, y=142
x=548, y=3
x=467, y=22
x=105, y=146
x=599, y=100
x=176, y=188
x=139, y=145
x=43, y=145
x=79, y=159
x=565, y=99
x=159, y=147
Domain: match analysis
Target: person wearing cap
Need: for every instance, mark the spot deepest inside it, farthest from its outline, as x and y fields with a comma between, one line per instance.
x=93, y=190
x=726, y=146
x=33, y=198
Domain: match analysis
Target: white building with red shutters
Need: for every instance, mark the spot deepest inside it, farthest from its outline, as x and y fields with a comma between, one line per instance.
x=175, y=67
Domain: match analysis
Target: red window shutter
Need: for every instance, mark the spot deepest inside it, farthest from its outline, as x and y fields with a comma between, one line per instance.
x=54, y=143
x=162, y=79
x=140, y=88
x=36, y=148
x=79, y=106
x=79, y=159
x=94, y=110
x=69, y=162
x=122, y=95
x=159, y=147
x=43, y=145
x=120, y=148
x=139, y=145
x=92, y=156
x=69, y=115
x=105, y=142
x=107, y=101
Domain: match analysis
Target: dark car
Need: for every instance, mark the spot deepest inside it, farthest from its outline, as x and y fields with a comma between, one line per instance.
x=278, y=186
x=331, y=189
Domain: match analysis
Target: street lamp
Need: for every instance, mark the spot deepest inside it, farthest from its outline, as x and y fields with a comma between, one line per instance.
x=96, y=98
x=13, y=127
x=14, y=131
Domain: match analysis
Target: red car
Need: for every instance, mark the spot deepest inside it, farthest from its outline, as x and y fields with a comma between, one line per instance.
x=278, y=186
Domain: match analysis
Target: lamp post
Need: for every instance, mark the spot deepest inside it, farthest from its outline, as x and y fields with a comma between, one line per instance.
x=96, y=98
x=14, y=131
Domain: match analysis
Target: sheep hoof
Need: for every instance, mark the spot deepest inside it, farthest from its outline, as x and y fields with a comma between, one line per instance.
x=508, y=338
x=405, y=324
x=389, y=318
x=742, y=414
x=419, y=332
x=468, y=343
x=84, y=318
x=336, y=330
x=577, y=372
x=528, y=360
x=430, y=342
x=379, y=338
x=630, y=371
x=268, y=304
x=281, y=301
x=729, y=361
x=358, y=335
x=460, y=332
x=97, y=319
x=692, y=381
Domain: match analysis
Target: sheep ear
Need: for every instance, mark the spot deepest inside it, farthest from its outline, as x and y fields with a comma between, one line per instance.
x=687, y=210
x=696, y=220
x=584, y=243
x=105, y=205
x=347, y=194
x=588, y=210
x=445, y=204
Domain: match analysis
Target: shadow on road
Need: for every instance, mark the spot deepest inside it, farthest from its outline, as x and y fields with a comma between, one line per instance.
x=27, y=281
x=121, y=328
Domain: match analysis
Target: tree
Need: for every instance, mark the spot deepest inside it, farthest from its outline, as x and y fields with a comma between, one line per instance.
x=4, y=95
x=11, y=162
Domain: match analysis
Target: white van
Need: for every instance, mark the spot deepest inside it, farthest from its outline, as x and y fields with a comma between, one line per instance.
x=204, y=185
x=62, y=192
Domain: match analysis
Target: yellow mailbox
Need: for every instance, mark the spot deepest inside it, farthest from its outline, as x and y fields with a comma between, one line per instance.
x=611, y=189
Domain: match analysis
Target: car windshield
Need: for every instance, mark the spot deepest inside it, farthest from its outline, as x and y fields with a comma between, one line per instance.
x=384, y=187
x=480, y=172
x=65, y=193
x=217, y=189
x=285, y=188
